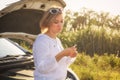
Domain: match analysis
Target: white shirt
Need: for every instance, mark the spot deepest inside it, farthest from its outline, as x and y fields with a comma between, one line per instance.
x=45, y=49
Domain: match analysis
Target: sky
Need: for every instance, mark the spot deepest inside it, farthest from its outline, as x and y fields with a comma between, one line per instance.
x=111, y=6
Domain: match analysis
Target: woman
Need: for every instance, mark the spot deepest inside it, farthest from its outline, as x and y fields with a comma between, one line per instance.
x=51, y=60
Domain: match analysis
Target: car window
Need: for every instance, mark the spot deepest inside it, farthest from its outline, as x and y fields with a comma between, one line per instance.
x=8, y=48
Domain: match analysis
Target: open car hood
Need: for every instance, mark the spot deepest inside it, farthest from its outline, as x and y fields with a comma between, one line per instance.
x=24, y=15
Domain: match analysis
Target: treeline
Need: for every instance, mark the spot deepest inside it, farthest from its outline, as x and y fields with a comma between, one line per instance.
x=86, y=17
x=95, y=35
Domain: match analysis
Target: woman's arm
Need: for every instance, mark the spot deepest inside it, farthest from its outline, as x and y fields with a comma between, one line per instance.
x=44, y=61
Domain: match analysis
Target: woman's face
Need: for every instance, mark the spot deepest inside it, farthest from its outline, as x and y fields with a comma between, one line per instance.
x=57, y=24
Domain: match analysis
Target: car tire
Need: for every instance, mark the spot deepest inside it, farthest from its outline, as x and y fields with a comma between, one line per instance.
x=71, y=75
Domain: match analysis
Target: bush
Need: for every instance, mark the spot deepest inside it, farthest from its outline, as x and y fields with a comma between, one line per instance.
x=92, y=40
x=104, y=67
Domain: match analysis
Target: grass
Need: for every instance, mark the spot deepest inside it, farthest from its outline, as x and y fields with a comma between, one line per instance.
x=106, y=67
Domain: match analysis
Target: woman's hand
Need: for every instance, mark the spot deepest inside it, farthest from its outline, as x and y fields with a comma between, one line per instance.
x=71, y=51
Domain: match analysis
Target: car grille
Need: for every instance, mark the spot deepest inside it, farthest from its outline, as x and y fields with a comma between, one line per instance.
x=15, y=62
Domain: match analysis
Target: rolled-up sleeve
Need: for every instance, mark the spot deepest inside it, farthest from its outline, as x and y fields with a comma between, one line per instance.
x=44, y=61
x=70, y=60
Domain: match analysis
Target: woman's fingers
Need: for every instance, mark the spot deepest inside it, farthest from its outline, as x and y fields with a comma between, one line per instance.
x=74, y=52
x=71, y=51
x=73, y=55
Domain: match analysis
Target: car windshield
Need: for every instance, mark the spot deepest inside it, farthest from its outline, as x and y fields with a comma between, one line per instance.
x=8, y=48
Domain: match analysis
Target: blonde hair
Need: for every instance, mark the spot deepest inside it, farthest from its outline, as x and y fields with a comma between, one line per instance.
x=48, y=18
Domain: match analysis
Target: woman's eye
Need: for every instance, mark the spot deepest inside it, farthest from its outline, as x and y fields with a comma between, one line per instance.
x=56, y=22
x=62, y=21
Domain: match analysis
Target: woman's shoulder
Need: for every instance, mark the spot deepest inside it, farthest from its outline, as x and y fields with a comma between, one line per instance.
x=41, y=37
x=58, y=39
x=41, y=40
